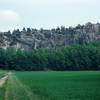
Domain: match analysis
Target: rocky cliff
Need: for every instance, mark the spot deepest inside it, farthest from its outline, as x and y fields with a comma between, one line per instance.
x=29, y=39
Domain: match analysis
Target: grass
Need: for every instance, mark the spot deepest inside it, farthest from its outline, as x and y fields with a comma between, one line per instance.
x=2, y=73
x=14, y=90
x=73, y=85
x=63, y=85
x=2, y=89
x=2, y=92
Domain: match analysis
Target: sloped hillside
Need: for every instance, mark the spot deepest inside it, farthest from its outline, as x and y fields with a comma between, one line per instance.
x=29, y=39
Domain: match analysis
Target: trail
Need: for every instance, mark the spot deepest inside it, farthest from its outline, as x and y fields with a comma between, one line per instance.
x=3, y=80
x=26, y=89
x=16, y=90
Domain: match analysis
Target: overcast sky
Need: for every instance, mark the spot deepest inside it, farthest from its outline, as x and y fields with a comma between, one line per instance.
x=47, y=13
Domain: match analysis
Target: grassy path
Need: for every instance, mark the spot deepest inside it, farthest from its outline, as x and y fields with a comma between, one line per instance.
x=3, y=79
x=2, y=74
x=15, y=90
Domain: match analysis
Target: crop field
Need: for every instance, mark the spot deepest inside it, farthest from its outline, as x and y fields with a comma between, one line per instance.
x=72, y=85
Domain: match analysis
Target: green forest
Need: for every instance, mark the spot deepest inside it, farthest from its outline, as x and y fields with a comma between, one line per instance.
x=76, y=57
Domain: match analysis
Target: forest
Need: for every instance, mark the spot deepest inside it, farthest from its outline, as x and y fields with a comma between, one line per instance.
x=76, y=57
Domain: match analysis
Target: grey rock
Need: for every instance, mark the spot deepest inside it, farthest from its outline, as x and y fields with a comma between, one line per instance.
x=33, y=39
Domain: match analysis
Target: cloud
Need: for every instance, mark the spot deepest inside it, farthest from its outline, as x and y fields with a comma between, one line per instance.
x=9, y=20
x=9, y=16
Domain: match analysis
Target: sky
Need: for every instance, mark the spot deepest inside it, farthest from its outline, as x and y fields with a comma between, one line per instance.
x=47, y=14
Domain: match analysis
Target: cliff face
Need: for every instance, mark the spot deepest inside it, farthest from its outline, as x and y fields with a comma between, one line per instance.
x=33, y=39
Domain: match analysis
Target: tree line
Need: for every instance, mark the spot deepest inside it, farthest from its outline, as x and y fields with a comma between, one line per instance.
x=77, y=57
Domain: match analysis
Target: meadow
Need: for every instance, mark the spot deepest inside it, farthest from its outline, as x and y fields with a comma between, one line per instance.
x=52, y=85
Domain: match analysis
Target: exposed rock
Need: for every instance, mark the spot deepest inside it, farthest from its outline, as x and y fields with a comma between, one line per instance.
x=33, y=39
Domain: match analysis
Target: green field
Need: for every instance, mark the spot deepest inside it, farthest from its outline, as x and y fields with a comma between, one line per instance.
x=73, y=85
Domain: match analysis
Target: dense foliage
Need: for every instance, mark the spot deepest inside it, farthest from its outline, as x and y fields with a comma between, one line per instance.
x=78, y=57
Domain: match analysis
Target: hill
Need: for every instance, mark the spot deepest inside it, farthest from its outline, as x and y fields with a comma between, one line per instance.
x=29, y=39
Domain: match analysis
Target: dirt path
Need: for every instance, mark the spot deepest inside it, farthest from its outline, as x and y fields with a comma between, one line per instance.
x=16, y=90
x=3, y=80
